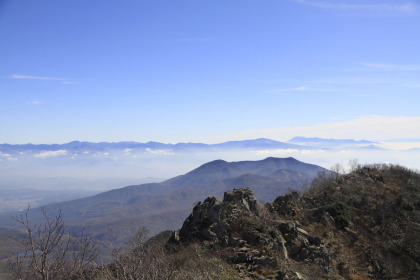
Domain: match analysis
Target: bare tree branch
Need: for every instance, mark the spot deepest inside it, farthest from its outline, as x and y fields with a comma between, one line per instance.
x=51, y=252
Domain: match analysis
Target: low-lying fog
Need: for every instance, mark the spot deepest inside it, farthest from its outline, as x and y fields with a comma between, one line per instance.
x=41, y=177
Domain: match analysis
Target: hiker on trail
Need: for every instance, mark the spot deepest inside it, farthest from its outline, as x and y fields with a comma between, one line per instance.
x=250, y=260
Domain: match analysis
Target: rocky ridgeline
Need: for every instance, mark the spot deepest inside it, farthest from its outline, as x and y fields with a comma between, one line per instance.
x=240, y=225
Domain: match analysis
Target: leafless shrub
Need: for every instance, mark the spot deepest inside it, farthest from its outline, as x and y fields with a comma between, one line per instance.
x=50, y=251
x=138, y=261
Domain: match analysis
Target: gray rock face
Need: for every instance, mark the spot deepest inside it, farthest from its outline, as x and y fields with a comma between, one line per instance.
x=204, y=217
x=242, y=197
x=244, y=225
x=209, y=219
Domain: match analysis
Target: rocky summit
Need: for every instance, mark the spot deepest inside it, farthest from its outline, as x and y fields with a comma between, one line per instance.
x=362, y=225
x=240, y=226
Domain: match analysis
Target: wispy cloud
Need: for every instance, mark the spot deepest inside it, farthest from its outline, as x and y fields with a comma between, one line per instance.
x=28, y=77
x=328, y=158
x=292, y=89
x=303, y=89
x=365, y=95
x=70, y=83
x=391, y=67
x=364, y=127
x=160, y=152
x=34, y=102
x=377, y=8
x=42, y=78
x=51, y=154
x=4, y=155
x=410, y=85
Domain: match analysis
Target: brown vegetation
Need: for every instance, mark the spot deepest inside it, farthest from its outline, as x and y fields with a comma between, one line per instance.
x=362, y=225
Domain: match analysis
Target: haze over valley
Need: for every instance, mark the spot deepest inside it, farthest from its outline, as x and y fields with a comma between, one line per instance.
x=42, y=174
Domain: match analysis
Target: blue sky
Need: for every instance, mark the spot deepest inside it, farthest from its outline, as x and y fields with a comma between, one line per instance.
x=208, y=70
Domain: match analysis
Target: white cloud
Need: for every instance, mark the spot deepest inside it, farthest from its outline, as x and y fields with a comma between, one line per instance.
x=303, y=89
x=4, y=155
x=159, y=152
x=292, y=89
x=28, y=77
x=70, y=83
x=35, y=102
x=51, y=154
x=399, y=145
x=328, y=158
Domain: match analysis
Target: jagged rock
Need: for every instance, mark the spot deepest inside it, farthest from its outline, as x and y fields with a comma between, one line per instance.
x=322, y=257
x=244, y=197
x=286, y=226
x=209, y=219
x=218, y=228
x=352, y=227
x=285, y=205
x=206, y=234
x=292, y=248
x=313, y=240
x=220, y=224
x=197, y=225
x=174, y=239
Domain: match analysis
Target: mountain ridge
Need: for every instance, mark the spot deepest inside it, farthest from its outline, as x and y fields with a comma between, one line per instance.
x=141, y=202
x=361, y=225
x=293, y=143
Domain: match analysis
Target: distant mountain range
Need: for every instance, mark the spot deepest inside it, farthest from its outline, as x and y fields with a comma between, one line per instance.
x=113, y=215
x=261, y=143
x=78, y=146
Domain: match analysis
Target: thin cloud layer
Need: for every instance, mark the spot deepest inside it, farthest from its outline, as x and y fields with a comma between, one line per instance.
x=28, y=77
x=160, y=152
x=365, y=127
x=387, y=67
x=41, y=78
x=34, y=102
x=395, y=7
x=48, y=154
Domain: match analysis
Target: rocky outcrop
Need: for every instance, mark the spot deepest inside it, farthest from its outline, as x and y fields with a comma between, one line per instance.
x=209, y=219
x=240, y=225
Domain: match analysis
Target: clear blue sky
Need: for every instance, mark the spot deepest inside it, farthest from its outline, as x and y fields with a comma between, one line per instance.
x=208, y=70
